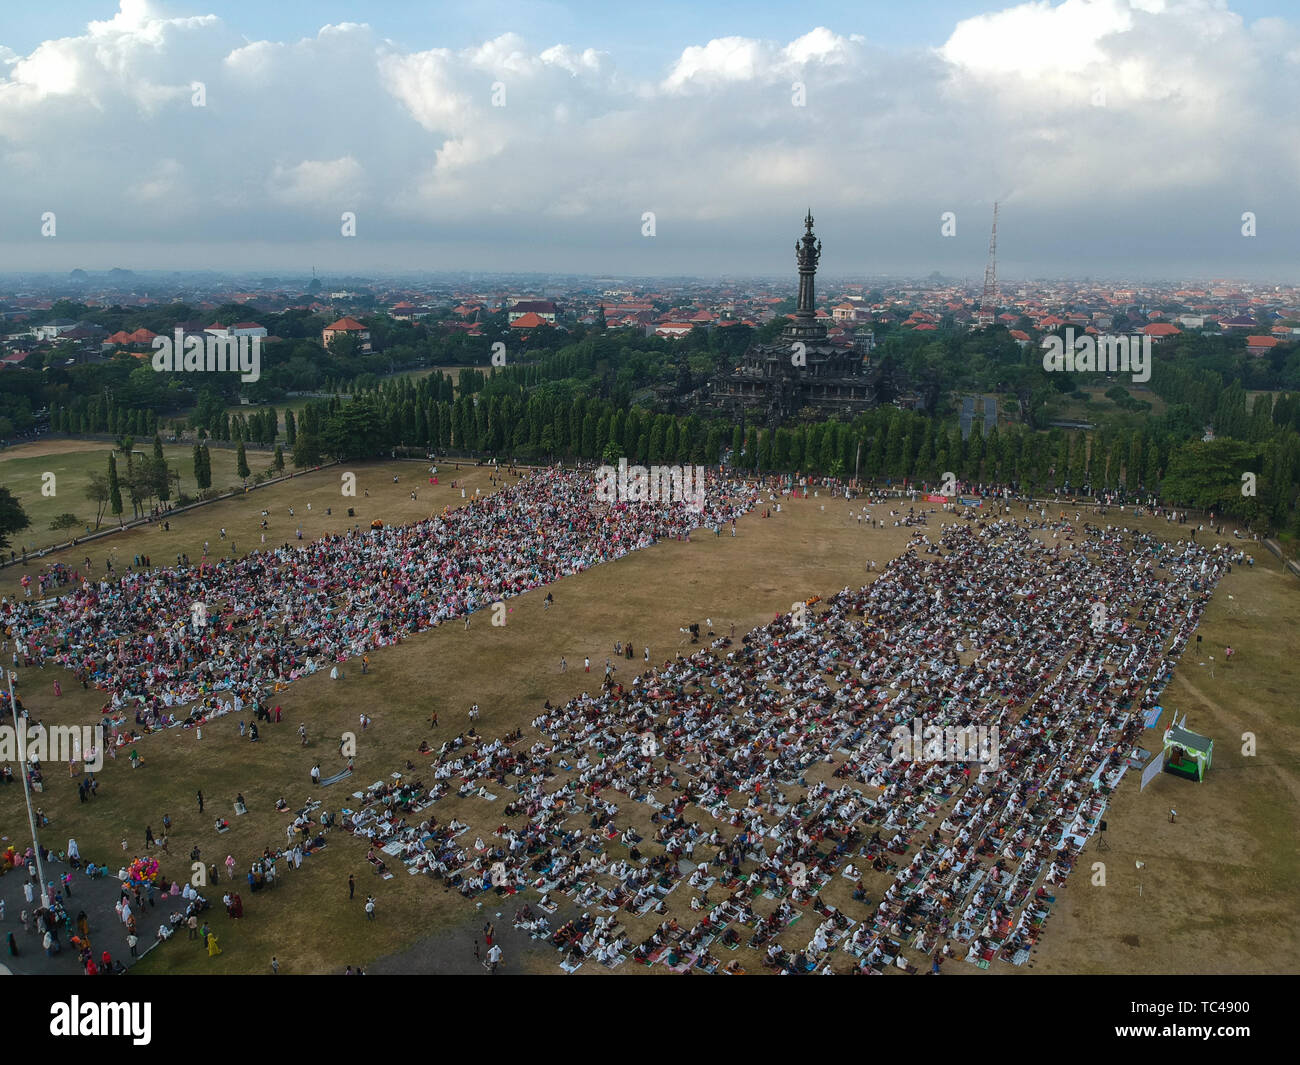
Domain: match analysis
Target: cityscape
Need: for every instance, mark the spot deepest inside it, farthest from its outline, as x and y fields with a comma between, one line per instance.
x=551, y=490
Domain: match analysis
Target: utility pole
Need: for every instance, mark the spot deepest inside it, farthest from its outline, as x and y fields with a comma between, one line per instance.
x=20, y=731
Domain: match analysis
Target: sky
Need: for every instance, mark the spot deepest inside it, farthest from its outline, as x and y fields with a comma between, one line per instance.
x=1121, y=138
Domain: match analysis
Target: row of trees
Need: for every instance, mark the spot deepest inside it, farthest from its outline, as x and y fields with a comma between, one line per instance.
x=147, y=479
x=552, y=421
x=102, y=414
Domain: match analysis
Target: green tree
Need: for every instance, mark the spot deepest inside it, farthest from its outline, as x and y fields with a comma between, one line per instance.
x=161, y=477
x=241, y=462
x=12, y=516
x=306, y=450
x=114, y=485
x=98, y=493
x=204, y=473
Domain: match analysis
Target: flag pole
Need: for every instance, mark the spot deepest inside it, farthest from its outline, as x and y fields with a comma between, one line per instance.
x=21, y=732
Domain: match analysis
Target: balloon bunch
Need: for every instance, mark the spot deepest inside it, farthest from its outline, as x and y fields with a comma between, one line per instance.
x=143, y=870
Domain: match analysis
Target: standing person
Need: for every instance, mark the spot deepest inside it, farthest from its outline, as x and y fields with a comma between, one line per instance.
x=586, y=664
x=370, y=907
x=352, y=887
x=148, y=837
x=230, y=866
x=494, y=958
x=200, y=802
x=275, y=965
x=302, y=731
x=563, y=664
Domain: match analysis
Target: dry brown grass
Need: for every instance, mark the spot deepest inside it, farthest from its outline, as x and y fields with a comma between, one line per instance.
x=1217, y=889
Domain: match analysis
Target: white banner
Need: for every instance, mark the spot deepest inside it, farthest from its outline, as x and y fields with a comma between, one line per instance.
x=1153, y=769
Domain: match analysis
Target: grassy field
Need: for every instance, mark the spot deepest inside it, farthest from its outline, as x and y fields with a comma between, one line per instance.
x=23, y=469
x=1217, y=892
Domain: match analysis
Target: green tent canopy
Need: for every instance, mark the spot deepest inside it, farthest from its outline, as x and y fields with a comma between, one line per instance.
x=1187, y=754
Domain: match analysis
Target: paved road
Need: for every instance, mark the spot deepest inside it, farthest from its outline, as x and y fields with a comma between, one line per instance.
x=96, y=897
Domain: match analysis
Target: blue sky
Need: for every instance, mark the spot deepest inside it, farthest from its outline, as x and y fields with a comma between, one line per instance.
x=1123, y=137
x=652, y=32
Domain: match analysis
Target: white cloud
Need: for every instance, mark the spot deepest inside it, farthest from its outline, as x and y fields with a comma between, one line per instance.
x=328, y=183
x=1198, y=113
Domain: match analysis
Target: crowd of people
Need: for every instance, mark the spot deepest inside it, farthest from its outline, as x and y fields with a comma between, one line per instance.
x=180, y=644
x=771, y=767
x=768, y=766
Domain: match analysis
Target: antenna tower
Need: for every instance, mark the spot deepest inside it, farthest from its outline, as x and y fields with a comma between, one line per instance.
x=989, y=302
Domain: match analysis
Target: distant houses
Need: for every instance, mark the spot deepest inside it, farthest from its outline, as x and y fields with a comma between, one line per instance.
x=347, y=326
x=1160, y=331
x=1260, y=345
x=543, y=309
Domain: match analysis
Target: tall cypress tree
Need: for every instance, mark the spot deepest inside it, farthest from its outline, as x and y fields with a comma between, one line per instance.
x=114, y=485
x=161, y=482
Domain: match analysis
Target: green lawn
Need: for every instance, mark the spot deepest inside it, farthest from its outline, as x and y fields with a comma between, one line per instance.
x=24, y=474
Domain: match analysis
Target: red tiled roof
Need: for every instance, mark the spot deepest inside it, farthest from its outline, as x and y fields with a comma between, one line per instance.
x=345, y=325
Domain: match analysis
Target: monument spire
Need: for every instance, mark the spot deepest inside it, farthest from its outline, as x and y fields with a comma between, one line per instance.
x=807, y=251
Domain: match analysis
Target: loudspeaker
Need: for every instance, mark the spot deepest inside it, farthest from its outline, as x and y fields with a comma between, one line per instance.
x=1103, y=826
